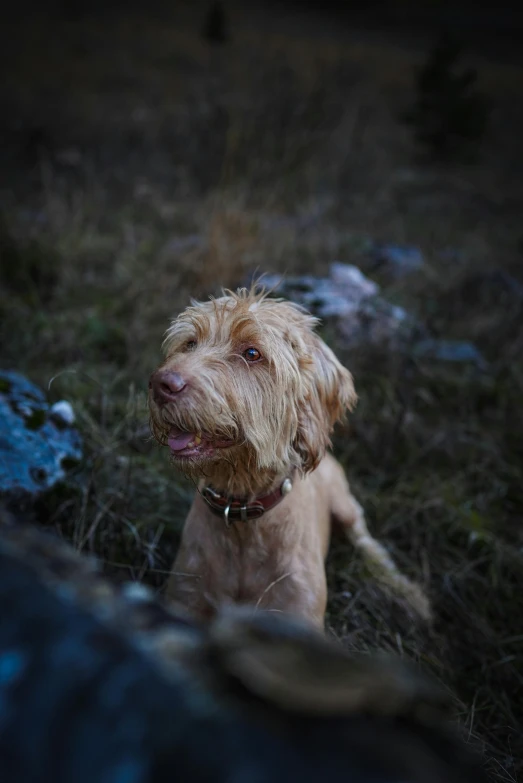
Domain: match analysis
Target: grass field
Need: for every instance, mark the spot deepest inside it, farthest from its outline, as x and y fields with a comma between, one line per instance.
x=141, y=167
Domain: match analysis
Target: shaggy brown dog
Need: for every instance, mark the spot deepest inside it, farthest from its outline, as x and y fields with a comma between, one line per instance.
x=246, y=400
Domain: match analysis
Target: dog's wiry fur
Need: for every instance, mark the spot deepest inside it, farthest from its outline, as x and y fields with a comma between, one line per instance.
x=260, y=421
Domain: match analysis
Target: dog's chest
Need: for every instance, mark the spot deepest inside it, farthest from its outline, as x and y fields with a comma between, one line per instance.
x=256, y=564
x=249, y=560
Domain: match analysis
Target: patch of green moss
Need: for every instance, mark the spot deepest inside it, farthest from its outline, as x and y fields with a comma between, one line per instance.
x=5, y=385
x=36, y=419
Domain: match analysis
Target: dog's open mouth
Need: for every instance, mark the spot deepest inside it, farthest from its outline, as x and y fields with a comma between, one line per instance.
x=191, y=444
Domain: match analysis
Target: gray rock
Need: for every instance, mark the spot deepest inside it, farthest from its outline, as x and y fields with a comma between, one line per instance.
x=37, y=443
x=336, y=296
x=352, y=282
x=398, y=260
x=378, y=323
x=352, y=302
x=361, y=316
x=449, y=351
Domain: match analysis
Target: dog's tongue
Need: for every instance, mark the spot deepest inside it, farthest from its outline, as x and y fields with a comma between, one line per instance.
x=178, y=440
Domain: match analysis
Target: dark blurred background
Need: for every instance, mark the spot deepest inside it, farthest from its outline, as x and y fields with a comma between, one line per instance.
x=154, y=152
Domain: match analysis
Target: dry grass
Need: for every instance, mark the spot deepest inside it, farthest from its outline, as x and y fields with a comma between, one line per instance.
x=141, y=168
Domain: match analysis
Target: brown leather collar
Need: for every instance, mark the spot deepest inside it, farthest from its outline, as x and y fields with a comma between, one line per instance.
x=233, y=509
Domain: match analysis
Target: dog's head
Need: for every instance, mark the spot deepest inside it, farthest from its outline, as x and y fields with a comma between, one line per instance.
x=247, y=380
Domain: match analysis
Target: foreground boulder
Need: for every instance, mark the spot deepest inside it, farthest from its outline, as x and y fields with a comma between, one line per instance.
x=106, y=684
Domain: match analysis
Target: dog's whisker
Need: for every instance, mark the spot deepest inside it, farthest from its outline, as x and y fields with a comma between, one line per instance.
x=269, y=588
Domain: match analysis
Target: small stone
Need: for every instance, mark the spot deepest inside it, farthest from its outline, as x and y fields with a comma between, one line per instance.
x=63, y=411
x=449, y=351
x=137, y=592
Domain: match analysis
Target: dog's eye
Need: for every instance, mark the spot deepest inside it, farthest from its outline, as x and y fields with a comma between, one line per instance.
x=190, y=345
x=252, y=355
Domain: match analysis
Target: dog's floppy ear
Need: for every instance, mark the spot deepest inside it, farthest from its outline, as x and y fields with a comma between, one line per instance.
x=329, y=394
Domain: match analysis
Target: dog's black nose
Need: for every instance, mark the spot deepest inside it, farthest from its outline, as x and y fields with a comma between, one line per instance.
x=166, y=385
